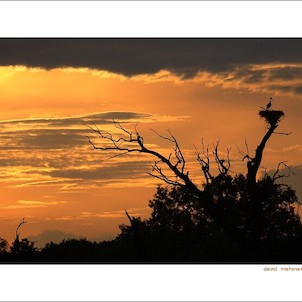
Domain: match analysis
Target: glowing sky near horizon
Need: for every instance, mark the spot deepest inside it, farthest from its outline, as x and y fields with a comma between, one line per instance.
x=51, y=175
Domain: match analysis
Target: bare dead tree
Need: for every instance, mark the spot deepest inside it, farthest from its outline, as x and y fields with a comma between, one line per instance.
x=133, y=142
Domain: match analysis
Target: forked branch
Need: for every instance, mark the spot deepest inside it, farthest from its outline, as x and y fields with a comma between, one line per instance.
x=277, y=175
x=204, y=162
x=223, y=164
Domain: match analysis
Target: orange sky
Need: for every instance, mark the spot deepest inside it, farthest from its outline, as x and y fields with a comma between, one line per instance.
x=51, y=175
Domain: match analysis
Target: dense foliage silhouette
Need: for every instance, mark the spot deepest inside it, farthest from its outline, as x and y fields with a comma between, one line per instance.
x=178, y=230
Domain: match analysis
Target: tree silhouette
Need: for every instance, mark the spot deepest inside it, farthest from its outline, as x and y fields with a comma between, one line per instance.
x=22, y=249
x=230, y=218
x=135, y=230
x=16, y=245
x=239, y=211
x=3, y=246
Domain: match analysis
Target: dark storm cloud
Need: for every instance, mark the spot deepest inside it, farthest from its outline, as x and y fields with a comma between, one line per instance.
x=137, y=56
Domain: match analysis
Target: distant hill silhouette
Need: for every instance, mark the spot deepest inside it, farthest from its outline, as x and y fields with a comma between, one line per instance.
x=47, y=236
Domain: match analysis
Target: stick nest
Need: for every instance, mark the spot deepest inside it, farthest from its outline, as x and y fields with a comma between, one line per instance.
x=272, y=117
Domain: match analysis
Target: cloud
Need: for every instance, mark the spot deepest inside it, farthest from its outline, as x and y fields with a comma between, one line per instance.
x=71, y=175
x=65, y=218
x=286, y=73
x=298, y=89
x=98, y=118
x=105, y=214
x=108, y=214
x=56, y=152
x=144, y=56
x=122, y=170
x=42, y=139
x=94, y=118
x=32, y=204
x=114, y=214
x=293, y=148
x=272, y=78
x=64, y=132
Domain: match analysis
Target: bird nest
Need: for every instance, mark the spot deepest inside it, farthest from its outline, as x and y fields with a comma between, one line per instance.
x=272, y=117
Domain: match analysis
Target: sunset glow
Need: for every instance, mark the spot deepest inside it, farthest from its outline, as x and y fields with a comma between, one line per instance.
x=51, y=175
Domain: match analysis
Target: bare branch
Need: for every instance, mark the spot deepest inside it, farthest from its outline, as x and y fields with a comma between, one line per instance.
x=116, y=144
x=162, y=176
x=163, y=137
x=204, y=162
x=223, y=165
x=117, y=155
x=283, y=133
x=22, y=221
x=247, y=147
x=129, y=217
x=134, y=142
x=245, y=155
x=277, y=176
x=240, y=151
x=180, y=160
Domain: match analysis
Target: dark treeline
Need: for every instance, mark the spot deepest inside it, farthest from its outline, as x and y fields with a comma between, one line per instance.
x=231, y=218
x=179, y=231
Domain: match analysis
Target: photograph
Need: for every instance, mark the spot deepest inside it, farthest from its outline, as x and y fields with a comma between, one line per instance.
x=150, y=150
